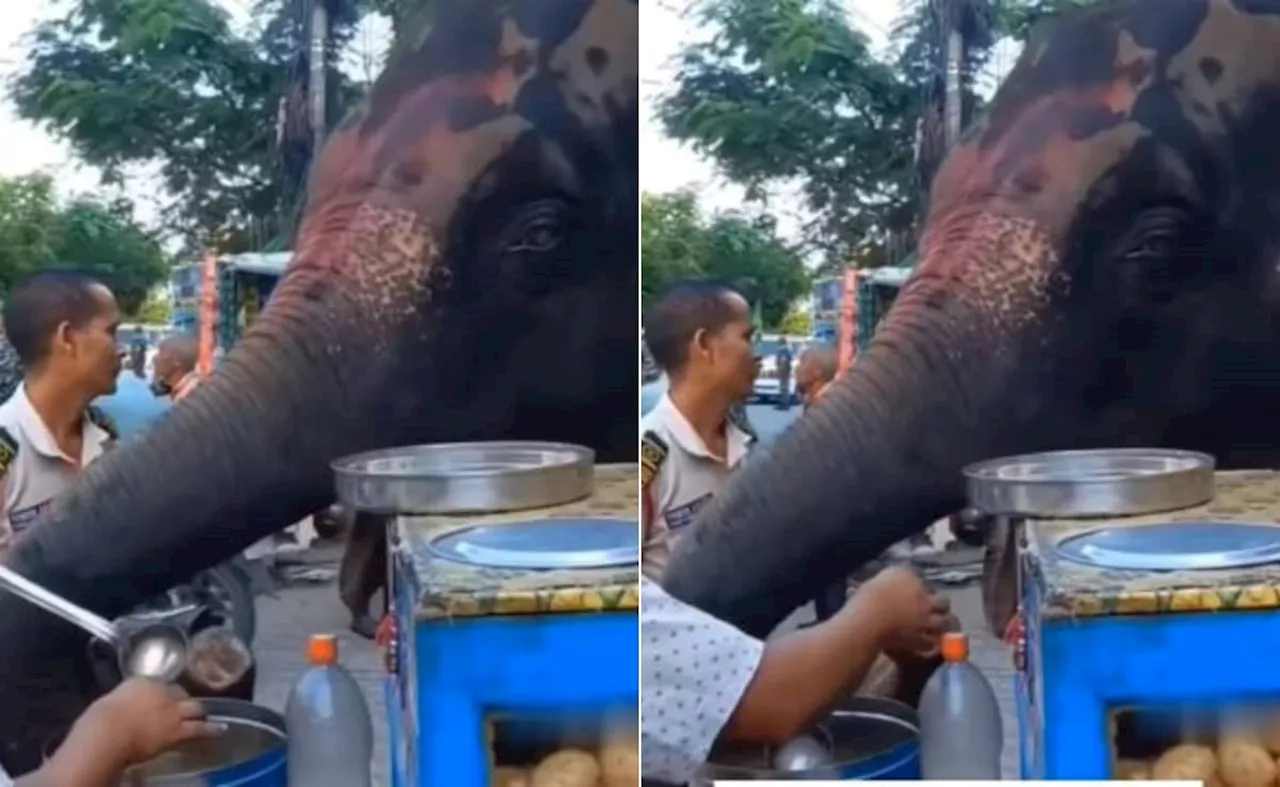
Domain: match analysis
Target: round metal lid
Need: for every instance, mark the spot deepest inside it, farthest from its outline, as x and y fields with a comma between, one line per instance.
x=1175, y=546
x=544, y=544
x=1106, y=482
x=464, y=478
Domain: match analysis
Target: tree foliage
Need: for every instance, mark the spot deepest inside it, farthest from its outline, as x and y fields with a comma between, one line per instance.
x=790, y=91
x=1016, y=19
x=169, y=82
x=797, y=322
x=920, y=59
x=737, y=248
x=37, y=231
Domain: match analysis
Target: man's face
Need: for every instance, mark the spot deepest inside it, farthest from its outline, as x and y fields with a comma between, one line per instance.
x=804, y=374
x=161, y=372
x=89, y=352
x=726, y=355
x=810, y=377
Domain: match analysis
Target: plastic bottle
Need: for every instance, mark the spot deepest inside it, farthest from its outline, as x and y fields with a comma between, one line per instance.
x=960, y=729
x=330, y=730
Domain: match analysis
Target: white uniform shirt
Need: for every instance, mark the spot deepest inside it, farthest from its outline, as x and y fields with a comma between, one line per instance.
x=38, y=471
x=694, y=670
x=688, y=478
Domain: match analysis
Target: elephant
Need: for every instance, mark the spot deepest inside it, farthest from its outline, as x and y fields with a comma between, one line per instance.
x=465, y=269
x=1097, y=268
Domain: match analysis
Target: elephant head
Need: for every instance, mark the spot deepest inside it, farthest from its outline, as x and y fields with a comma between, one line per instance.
x=1098, y=269
x=465, y=269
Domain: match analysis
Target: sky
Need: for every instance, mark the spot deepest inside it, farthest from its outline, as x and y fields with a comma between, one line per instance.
x=666, y=164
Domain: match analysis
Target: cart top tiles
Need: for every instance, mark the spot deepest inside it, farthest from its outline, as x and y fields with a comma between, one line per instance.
x=1218, y=556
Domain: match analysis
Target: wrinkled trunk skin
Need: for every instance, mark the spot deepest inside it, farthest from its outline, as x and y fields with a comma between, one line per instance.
x=259, y=461
x=246, y=454
x=878, y=460
x=465, y=271
x=834, y=491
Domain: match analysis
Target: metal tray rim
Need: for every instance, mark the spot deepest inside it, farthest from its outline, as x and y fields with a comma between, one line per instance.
x=1147, y=493
x=977, y=469
x=490, y=490
x=346, y=466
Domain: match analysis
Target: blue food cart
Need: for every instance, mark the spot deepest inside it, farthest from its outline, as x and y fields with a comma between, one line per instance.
x=1149, y=608
x=514, y=591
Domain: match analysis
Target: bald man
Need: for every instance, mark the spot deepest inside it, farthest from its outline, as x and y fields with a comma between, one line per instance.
x=815, y=371
x=174, y=373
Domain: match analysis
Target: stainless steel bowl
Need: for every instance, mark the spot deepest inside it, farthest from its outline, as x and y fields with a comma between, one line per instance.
x=465, y=478
x=1105, y=482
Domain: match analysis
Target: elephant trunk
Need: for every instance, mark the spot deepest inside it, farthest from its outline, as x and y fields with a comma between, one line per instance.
x=244, y=455
x=878, y=460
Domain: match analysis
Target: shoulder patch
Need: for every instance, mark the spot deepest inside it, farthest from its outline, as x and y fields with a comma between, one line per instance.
x=8, y=450
x=102, y=421
x=653, y=452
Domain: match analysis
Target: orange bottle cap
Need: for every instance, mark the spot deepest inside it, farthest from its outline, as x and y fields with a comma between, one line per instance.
x=322, y=650
x=955, y=646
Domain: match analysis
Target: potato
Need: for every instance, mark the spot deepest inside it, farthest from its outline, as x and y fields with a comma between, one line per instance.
x=1270, y=734
x=620, y=762
x=506, y=776
x=1132, y=770
x=1245, y=763
x=1186, y=762
x=567, y=768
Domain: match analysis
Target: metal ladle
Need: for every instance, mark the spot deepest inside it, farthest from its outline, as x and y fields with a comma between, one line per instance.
x=154, y=650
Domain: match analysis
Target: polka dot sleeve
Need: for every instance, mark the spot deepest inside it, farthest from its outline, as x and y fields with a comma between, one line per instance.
x=694, y=670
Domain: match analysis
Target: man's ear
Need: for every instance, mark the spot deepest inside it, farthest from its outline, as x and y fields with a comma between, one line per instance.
x=62, y=336
x=702, y=340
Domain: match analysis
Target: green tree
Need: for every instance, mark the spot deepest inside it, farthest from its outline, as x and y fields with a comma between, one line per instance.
x=789, y=91
x=168, y=82
x=798, y=322
x=1017, y=18
x=672, y=241
x=155, y=311
x=98, y=236
x=743, y=250
x=746, y=252
x=920, y=36
x=102, y=238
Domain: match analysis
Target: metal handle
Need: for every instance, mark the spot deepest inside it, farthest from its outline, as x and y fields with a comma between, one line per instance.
x=49, y=601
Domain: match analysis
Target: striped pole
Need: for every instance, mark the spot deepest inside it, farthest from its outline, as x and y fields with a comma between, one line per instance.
x=848, y=320
x=208, y=313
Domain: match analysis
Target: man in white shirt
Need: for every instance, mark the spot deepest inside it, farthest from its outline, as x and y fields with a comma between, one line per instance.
x=705, y=682
x=62, y=324
x=699, y=334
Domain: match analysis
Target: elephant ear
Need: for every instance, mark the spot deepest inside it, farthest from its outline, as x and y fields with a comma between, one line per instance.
x=1000, y=575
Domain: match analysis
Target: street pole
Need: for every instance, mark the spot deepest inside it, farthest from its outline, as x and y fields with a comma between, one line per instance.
x=316, y=85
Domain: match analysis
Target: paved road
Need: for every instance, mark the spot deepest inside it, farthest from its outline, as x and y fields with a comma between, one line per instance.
x=285, y=622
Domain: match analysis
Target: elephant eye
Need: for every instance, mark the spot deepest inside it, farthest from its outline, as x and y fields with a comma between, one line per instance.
x=1159, y=259
x=1155, y=243
x=538, y=231
x=1152, y=247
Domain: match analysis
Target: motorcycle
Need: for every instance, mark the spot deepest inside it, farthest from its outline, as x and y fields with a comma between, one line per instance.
x=225, y=594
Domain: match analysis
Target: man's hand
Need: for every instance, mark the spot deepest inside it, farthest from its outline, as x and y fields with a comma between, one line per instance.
x=143, y=718
x=913, y=616
x=134, y=723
